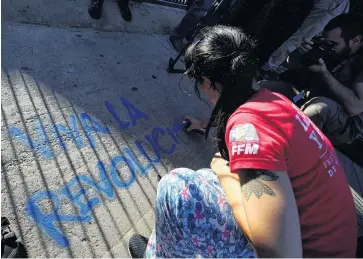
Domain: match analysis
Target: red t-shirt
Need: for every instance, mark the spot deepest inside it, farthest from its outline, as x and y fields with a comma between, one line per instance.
x=269, y=132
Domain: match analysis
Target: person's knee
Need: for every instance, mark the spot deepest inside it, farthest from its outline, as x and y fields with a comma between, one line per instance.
x=173, y=174
x=177, y=179
x=320, y=110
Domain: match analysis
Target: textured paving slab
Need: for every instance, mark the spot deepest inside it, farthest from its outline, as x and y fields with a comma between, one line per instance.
x=89, y=121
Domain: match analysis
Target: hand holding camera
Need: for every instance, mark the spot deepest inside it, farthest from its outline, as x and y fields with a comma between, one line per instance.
x=315, y=53
x=306, y=46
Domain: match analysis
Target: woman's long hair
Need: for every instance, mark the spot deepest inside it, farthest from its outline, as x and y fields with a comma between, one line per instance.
x=224, y=55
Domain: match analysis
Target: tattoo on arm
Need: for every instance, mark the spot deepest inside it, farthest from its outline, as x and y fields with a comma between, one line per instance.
x=254, y=184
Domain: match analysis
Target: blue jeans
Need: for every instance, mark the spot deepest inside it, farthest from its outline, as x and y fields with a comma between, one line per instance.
x=193, y=218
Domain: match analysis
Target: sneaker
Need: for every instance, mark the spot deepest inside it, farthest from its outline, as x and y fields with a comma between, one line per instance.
x=176, y=42
x=95, y=9
x=125, y=11
x=137, y=246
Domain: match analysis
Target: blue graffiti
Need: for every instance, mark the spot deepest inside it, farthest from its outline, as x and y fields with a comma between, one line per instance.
x=75, y=190
x=72, y=133
x=47, y=221
x=155, y=134
x=42, y=145
x=90, y=125
x=133, y=113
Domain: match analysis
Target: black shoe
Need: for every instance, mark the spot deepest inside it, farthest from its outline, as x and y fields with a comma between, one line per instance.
x=176, y=42
x=137, y=246
x=95, y=9
x=11, y=247
x=125, y=11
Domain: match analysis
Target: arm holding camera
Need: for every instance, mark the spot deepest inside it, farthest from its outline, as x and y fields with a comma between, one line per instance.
x=293, y=60
x=351, y=99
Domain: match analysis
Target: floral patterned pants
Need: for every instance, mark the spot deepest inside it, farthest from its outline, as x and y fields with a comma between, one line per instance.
x=193, y=218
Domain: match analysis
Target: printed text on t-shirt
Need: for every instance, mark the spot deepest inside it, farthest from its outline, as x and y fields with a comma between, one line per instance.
x=315, y=135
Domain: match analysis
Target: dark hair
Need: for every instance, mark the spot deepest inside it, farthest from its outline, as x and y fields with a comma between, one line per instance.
x=224, y=55
x=351, y=25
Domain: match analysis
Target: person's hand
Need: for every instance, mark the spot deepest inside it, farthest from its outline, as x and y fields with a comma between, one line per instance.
x=306, y=46
x=196, y=123
x=221, y=168
x=219, y=165
x=319, y=68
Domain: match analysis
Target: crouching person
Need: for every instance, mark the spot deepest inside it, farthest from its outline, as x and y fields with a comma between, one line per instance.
x=336, y=106
x=274, y=193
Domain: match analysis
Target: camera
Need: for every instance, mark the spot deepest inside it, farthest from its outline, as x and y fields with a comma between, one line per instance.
x=321, y=49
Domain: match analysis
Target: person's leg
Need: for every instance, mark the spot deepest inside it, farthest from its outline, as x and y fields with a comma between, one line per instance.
x=193, y=218
x=125, y=10
x=95, y=9
x=189, y=22
x=333, y=121
x=244, y=13
x=321, y=13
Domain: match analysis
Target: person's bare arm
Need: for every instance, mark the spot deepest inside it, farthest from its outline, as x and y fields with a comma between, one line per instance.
x=264, y=206
x=351, y=99
x=271, y=213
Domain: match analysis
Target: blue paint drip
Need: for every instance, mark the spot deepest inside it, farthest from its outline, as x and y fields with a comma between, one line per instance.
x=47, y=221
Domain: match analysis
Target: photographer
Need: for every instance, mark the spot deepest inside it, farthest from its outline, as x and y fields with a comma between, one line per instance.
x=335, y=78
x=320, y=13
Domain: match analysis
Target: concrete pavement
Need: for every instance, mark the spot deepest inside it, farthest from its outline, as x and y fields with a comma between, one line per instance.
x=90, y=121
x=147, y=18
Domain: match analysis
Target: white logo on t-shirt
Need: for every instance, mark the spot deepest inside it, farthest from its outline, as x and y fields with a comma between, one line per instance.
x=244, y=139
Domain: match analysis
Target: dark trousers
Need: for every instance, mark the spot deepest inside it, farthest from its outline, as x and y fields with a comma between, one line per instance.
x=189, y=22
x=334, y=122
x=326, y=113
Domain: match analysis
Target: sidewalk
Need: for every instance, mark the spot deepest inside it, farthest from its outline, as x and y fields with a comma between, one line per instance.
x=90, y=121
